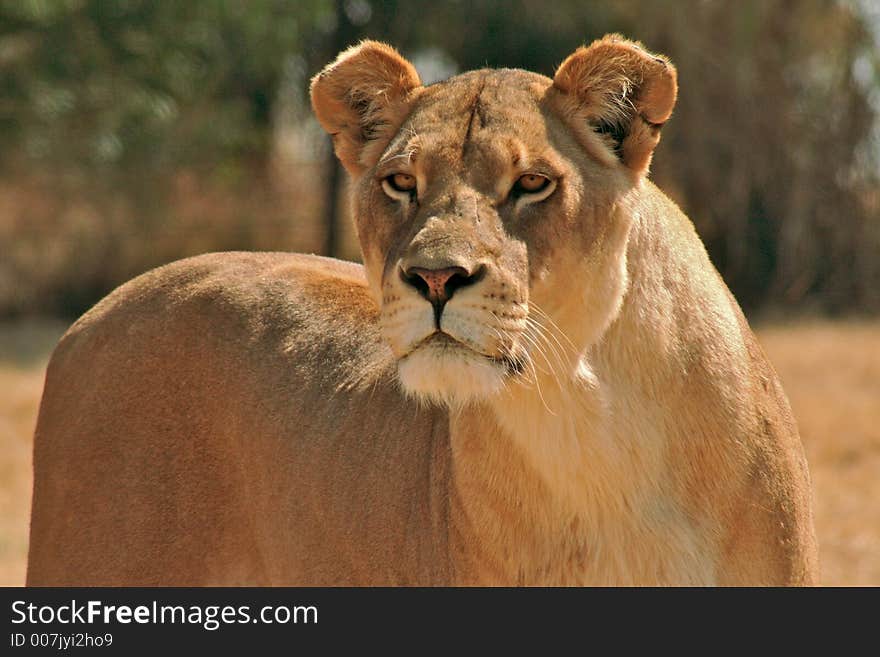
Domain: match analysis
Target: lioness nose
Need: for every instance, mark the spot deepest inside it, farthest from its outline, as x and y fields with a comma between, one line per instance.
x=438, y=285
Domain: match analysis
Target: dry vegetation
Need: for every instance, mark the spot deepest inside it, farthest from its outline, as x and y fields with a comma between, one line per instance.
x=24, y=349
x=831, y=372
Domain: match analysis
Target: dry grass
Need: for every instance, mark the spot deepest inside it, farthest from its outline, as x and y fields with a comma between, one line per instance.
x=831, y=372
x=24, y=349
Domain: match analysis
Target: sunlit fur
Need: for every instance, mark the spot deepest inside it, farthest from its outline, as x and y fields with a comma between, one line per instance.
x=614, y=351
x=590, y=406
x=450, y=374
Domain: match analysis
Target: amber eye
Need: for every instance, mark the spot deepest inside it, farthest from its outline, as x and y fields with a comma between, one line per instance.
x=402, y=182
x=531, y=183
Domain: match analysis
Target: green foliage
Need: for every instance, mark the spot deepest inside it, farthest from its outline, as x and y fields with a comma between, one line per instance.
x=141, y=84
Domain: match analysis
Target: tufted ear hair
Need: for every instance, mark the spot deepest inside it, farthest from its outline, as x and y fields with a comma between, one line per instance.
x=361, y=99
x=623, y=92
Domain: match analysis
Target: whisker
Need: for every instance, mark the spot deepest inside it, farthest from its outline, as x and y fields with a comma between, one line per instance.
x=502, y=334
x=558, y=351
x=538, y=386
x=544, y=314
x=562, y=350
x=537, y=347
x=566, y=350
x=532, y=335
x=533, y=339
x=541, y=332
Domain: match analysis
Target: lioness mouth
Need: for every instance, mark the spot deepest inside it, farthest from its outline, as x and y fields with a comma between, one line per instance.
x=511, y=364
x=442, y=339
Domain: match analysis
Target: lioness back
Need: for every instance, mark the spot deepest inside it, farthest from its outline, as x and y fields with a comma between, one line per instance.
x=221, y=402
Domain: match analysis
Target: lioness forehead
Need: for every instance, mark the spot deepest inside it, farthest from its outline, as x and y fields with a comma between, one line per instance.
x=498, y=111
x=503, y=90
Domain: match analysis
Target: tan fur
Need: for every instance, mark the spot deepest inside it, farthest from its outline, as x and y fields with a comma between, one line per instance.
x=597, y=412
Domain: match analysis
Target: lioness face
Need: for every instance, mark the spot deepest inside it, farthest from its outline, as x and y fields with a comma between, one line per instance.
x=490, y=213
x=465, y=223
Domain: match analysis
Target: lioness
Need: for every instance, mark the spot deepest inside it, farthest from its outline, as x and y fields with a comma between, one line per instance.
x=536, y=378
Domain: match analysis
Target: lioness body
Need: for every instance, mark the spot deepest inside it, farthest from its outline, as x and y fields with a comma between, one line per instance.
x=222, y=467
x=283, y=419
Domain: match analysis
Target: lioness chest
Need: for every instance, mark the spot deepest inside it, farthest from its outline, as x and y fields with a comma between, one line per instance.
x=570, y=503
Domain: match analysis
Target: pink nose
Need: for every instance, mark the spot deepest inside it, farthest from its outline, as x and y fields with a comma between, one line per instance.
x=437, y=285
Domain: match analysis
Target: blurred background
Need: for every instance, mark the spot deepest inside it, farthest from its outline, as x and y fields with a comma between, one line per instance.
x=136, y=132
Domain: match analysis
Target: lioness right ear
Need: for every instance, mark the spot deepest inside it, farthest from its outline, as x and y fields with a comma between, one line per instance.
x=623, y=92
x=361, y=98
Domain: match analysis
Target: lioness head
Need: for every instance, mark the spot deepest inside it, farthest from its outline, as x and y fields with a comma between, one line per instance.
x=492, y=208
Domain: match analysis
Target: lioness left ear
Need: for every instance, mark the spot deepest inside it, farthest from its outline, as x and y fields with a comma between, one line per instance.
x=361, y=99
x=623, y=92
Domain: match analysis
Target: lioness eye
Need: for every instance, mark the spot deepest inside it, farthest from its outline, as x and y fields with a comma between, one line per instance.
x=530, y=183
x=402, y=182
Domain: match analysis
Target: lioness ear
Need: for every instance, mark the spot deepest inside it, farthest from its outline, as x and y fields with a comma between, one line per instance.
x=361, y=98
x=624, y=92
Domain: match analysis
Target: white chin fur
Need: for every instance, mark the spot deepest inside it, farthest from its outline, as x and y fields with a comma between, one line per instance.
x=452, y=376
